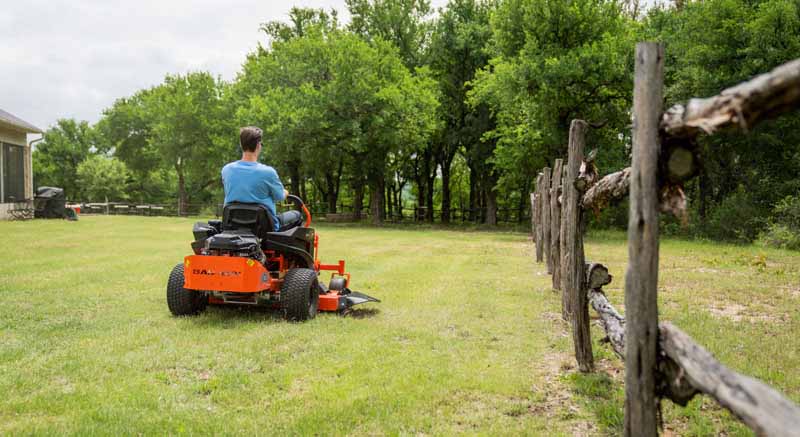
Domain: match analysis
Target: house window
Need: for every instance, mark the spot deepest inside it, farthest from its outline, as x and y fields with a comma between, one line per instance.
x=13, y=173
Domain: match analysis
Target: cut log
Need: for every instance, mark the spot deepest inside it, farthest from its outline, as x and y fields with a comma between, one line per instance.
x=743, y=105
x=597, y=276
x=555, y=224
x=759, y=406
x=641, y=281
x=610, y=188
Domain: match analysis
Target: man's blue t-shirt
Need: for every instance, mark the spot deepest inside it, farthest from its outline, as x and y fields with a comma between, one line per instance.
x=253, y=182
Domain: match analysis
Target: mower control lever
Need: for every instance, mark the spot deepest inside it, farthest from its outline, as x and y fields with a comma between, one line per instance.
x=300, y=206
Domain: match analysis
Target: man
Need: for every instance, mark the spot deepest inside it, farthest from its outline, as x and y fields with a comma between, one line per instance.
x=249, y=181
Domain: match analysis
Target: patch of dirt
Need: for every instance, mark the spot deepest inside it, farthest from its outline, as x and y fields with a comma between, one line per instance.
x=553, y=399
x=731, y=311
x=737, y=313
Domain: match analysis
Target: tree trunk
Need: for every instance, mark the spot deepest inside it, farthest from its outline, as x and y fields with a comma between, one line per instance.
x=376, y=192
x=389, y=200
x=473, y=194
x=183, y=196
x=358, y=197
x=491, y=206
x=294, y=175
x=330, y=196
x=429, y=200
x=445, y=166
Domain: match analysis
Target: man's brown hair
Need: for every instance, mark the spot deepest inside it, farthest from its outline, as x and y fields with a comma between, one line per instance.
x=249, y=137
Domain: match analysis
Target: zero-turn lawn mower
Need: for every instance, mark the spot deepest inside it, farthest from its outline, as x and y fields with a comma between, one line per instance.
x=240, y=260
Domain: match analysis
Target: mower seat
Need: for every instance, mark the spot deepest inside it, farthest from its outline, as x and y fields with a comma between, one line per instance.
x=237, y=216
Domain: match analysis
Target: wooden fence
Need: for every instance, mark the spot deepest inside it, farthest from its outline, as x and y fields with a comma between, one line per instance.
x=661, y=361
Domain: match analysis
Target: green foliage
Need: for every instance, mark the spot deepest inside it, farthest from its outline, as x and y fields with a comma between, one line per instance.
x=56, y=159
x=553, y=62
x=403, y=23
x=716, y=44
x=463, y=106
x=330, y=99
x=784, y=230
x=102, y=179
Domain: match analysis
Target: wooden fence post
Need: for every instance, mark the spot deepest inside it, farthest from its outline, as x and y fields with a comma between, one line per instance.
x=566, y=309
x=641, y=280
x=533, y=216
x=538, y=219
x=555, y=224
x=573, y=276
x=545, y=205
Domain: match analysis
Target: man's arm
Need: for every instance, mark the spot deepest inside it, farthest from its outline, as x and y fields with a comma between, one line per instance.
x=276, y=189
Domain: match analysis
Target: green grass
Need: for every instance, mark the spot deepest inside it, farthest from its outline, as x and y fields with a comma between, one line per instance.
x=467, y=338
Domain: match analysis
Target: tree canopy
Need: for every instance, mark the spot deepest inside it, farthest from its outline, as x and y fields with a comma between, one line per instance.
x=448, y=111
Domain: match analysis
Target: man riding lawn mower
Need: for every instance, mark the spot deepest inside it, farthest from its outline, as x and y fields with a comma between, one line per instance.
x=255, y=256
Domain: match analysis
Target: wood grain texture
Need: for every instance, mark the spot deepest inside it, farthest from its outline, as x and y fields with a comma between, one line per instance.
x=572, y=274
x=609, y=189
x=555, y=224
x=641, y=281
x=759, y=406
x=537, y=218
x=546, y=219
x=743, y=105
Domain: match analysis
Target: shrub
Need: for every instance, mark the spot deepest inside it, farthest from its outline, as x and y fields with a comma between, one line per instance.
x=784, y=229
x=739, y=217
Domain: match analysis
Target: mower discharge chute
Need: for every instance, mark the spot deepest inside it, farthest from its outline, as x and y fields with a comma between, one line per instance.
x=240, y=260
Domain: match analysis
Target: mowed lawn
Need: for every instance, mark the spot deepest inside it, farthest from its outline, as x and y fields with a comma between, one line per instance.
x=467, y=338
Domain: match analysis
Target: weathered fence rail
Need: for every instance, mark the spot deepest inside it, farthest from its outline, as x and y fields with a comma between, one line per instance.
x=661, y=361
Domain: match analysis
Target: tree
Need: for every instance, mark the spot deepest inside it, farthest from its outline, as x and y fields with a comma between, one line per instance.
x=553, y=62
x=190, y=132
x=103, y=178
x=331, y=103
x=403, y=23
x=714, y=45
x=458, y=49
x=57, y=157
x=126, y=128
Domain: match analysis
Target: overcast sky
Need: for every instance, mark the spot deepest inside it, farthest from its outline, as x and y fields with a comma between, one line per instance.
x=73, y=58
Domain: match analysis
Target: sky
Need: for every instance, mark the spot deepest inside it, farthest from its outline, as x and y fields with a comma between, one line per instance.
x=74, y=58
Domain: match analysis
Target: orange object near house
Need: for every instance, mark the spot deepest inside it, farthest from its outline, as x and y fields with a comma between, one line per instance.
x=225, y=273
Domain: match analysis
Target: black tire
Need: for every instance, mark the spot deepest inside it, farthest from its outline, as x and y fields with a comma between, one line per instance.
x=183, y=302
x=300, y=294
x=338, y=283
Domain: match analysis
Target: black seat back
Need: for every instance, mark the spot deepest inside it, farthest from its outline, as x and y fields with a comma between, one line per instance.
x=251, y=216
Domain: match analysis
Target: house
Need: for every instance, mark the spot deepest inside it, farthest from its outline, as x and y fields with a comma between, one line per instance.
x=16, y=168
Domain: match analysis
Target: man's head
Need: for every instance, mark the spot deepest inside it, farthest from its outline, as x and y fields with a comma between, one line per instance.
x=249, y=138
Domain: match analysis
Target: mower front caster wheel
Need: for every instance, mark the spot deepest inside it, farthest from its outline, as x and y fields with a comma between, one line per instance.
x=300, y=294
x=183, y=302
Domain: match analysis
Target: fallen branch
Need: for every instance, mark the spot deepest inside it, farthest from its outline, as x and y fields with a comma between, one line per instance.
x=743, y=105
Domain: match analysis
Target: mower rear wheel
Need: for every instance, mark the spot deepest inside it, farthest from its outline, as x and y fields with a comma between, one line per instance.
x=183, y=302
x=300, y=294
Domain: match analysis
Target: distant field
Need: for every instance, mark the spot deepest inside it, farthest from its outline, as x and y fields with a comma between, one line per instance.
x=468, y=338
